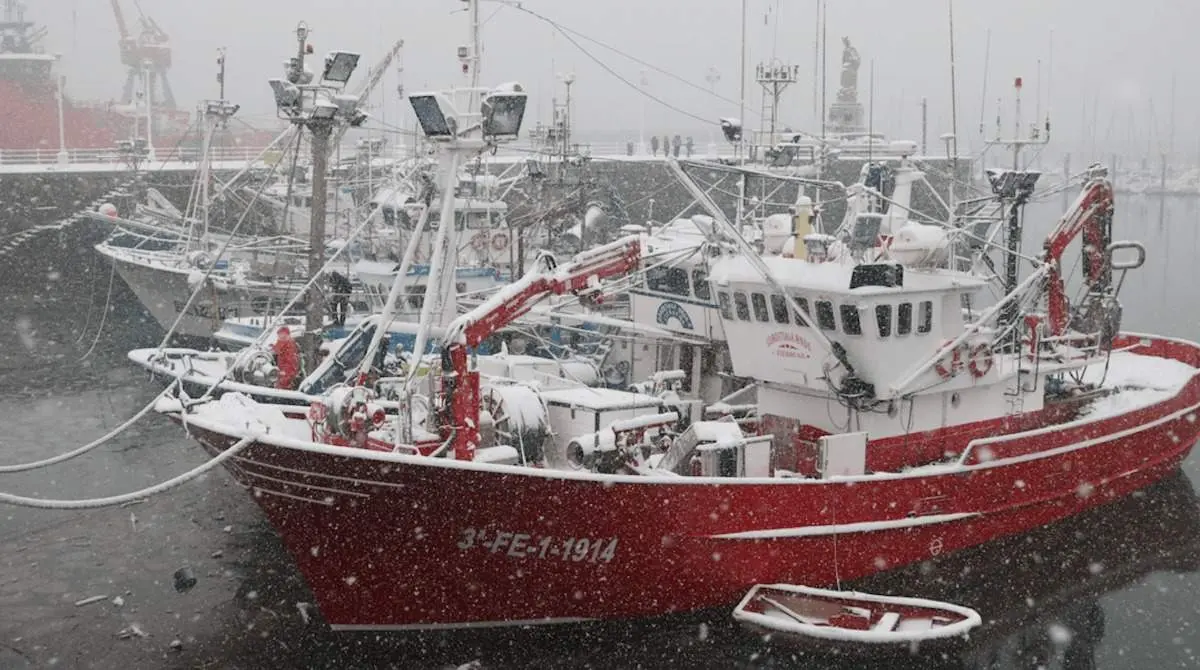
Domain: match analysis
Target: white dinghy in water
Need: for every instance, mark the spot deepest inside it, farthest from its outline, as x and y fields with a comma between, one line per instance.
x=864, y=621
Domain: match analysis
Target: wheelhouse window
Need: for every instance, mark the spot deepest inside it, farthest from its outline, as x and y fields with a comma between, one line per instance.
x=700, y=285
x=904, y=318
x=883, y=320
x=925, y=317
x=803, y=303
x=779, y=309
x=726, y=308
x=851, y=323
x=825, y=318
x=668, y=280
x=760, y=307
x=742, y=306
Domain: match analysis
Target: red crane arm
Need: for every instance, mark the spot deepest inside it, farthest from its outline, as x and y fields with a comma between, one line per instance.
x=1094, y=204
x=582, y=276
x=584, y=272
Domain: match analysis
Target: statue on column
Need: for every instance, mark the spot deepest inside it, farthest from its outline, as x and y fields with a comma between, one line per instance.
x=850, y=62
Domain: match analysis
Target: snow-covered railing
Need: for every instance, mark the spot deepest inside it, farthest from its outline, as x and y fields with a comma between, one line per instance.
x=116, y=156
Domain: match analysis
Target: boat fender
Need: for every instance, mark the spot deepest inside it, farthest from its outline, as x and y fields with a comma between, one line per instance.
x=479, y=242
x=980, y=361
x=950, y=364
x=500, y=242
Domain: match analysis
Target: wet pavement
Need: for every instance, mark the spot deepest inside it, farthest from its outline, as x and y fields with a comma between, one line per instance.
x=1114, y=588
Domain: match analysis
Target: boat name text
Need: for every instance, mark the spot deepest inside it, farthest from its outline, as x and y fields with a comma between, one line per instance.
x=789, y=345
x=527, y=545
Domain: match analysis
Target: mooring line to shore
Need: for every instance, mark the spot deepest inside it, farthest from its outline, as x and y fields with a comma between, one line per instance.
x=25, y=467
x=112, y=272
x=113, y=501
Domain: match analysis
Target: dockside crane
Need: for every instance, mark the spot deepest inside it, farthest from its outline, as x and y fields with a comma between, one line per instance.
x=148, y=54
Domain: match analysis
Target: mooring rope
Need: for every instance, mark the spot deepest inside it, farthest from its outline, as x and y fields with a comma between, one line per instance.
x=91, y=302
x=104, y=314
x=25, y=467
x=112, y=501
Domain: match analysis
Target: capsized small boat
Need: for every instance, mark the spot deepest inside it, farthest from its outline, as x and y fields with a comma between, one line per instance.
x=861, y=621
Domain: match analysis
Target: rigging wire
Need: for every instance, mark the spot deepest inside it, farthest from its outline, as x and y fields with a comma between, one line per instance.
x=604, y=66
x=567, y=32
x=278, y=320
x=220, y=252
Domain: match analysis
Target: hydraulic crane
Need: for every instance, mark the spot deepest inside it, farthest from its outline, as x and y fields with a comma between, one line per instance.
x=460, y=399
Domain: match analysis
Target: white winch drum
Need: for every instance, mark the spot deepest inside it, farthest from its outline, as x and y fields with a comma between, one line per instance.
x=518, y=418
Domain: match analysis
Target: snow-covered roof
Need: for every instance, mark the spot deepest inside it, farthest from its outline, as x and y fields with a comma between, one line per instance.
x=834, y=276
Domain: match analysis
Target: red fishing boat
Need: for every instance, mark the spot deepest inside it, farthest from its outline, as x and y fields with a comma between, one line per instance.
x=402, y=537
x=892, y=420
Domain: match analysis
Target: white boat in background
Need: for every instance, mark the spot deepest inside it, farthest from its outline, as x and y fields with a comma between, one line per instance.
x=852, y=621
x=188, y=277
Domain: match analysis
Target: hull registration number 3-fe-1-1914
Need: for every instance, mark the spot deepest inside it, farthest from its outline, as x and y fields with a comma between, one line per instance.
x=526, y=545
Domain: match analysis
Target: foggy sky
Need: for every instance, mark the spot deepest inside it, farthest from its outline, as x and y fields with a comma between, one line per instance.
x=1115, y=56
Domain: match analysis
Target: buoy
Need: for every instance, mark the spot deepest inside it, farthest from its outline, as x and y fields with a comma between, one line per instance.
x=108, y=209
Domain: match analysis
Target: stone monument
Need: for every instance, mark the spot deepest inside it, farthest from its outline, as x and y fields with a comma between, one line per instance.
x=846, y=113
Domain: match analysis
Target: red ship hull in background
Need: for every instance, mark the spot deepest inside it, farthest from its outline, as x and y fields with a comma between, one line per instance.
x=29, y=104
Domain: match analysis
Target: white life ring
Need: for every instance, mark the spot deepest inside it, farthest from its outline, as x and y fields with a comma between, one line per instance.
x=479, y=242
x=500, y=242
x=980, y=361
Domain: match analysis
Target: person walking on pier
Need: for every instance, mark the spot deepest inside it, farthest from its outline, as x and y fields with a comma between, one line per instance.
x=339, y=305
x=654, y=145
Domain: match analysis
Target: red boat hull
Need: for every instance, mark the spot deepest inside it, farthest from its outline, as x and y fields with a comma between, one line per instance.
x=391, y=541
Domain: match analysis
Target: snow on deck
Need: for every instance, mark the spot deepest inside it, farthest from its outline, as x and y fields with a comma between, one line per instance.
x=598, y=399
x=1136, y=381
x=237, y=409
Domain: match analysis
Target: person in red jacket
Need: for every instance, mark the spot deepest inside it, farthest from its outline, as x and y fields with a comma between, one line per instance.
x=287, y=358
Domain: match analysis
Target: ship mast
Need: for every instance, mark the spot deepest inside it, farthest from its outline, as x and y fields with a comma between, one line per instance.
x=1013, y=188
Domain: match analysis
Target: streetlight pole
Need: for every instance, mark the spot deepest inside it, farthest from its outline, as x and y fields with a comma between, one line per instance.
x=642, y=127
x=319, y=108
x=62, y=126
x=148, y=76
x=314, y=317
